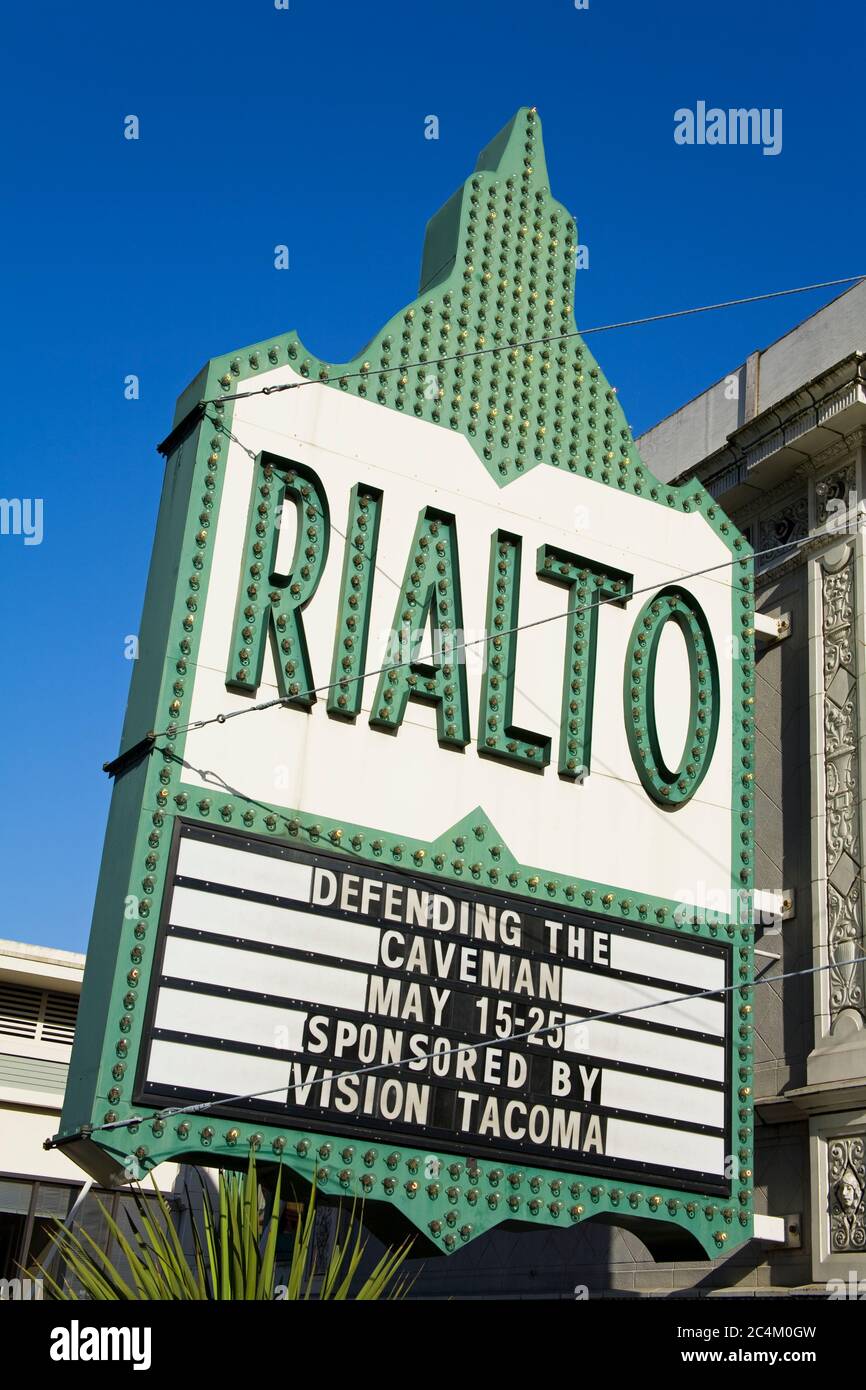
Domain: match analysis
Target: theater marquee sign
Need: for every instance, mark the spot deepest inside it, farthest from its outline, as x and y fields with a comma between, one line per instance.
x=433, y=884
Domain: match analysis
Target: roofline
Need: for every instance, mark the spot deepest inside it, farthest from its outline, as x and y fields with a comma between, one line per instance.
x=48, y=955
x=760, y=351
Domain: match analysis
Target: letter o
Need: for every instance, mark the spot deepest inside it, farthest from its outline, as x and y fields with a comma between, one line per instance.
x=538, y=1112
x=441, y=1065
x=671, y=787
x=391, y=1099
x=367, y=1043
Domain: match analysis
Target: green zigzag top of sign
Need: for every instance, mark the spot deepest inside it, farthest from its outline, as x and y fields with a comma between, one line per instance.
x=498, y=269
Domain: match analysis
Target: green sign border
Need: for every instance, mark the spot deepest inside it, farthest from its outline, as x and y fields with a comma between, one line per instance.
x=150, y=790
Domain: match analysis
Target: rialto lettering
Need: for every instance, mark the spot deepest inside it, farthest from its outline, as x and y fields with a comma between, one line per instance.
x=426, y=653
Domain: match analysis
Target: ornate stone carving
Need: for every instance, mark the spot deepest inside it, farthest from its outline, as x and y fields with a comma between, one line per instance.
x=834, y=493
x=847, y=1173
x=786, y=526
x=841, y=728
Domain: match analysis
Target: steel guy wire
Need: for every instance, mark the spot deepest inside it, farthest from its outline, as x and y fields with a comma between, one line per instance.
x=201, y=1107
x=537, y=342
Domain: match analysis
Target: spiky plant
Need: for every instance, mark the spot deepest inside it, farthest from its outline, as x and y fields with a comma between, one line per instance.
x=230, y=1259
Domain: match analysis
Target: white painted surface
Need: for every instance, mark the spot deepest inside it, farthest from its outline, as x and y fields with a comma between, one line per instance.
x=672, y=690
x=673, y=1148
x=277, y=926
x=767, y=902
x=25, y=1124
x=648, y=1095
x=211, y=1016
x=667, y=962
x=209, y=1069
x=604, y=994
x=617, y=1043
x=770, y=1228
x=406, y=784
x=767, y=625
x=24, y=1132
x=263, y=974
x=237, y=868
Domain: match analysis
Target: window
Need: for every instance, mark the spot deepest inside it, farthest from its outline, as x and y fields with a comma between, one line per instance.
x=29, y=1212
x=14, y=1211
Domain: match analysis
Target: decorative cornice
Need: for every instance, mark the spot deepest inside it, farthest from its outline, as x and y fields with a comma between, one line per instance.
x=840, y=448
x=811, y=548
x=796, y=417
x=758, y=507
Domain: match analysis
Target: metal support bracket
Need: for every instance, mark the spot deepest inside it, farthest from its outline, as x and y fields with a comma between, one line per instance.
x=771, y=1228
x=772, y=629
x=769, y=906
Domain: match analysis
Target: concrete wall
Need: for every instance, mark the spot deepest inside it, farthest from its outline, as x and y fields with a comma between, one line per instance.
x=683, y=440
x=813, y=346
x=680, y=441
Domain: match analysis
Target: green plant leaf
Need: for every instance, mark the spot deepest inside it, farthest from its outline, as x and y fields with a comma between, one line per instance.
x=232, y=1258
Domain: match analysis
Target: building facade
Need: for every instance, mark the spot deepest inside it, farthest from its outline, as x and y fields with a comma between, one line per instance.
x=781, y=442
x=39, y=997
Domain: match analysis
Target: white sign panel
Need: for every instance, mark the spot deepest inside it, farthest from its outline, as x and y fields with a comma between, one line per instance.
x=364, y=774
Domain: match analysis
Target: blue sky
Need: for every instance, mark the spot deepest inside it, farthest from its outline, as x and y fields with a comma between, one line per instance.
x=305, y=127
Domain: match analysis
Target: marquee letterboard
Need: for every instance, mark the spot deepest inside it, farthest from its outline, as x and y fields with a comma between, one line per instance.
x=469, y=1020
